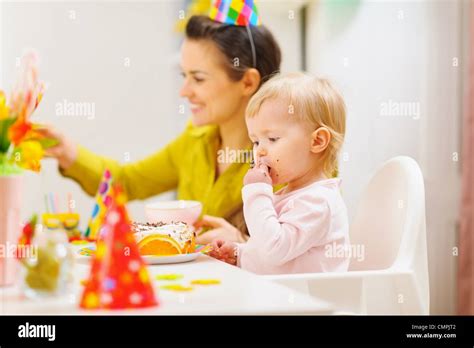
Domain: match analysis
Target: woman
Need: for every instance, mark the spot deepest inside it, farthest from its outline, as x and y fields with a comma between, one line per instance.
x=221, y=72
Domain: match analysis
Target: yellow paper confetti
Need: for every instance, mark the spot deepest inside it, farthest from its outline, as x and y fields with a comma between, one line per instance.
x=169, y=276
x=205, y=282
x=176, y=287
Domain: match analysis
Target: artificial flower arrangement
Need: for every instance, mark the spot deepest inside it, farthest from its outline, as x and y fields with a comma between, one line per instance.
x=22, y=146
x=21, y=143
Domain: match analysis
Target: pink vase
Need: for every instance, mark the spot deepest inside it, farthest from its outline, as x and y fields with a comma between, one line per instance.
x=10, y=225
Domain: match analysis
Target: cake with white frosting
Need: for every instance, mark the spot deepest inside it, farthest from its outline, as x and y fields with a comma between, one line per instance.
x=160, y=239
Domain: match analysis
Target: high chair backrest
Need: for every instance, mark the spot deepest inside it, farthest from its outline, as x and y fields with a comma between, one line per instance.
x=389, y=226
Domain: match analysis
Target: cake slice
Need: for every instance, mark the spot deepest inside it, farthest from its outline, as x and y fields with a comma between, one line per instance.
x=160, y=239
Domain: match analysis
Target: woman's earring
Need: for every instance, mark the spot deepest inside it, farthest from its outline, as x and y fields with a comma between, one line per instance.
x=252, y=163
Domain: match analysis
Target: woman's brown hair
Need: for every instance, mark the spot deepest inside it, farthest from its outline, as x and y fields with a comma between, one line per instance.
x=234, y=43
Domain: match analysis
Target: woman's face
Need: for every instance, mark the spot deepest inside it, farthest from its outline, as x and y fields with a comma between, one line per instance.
x=213, y=97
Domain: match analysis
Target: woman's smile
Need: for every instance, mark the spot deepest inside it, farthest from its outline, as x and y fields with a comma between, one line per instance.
x=196, y=108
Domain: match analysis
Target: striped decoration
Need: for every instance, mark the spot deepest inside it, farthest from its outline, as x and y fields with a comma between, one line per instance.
x=235, y=12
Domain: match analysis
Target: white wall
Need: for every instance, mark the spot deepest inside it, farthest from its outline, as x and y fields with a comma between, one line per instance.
x=283, y=18
x=403, y=52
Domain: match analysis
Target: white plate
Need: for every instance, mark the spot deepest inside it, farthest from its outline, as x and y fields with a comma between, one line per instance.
x=157, y=260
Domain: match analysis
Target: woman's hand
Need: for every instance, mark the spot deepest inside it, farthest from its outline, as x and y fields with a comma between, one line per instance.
x=224, y=251
x=220, y=229
x=65, y=151
x=258, y=174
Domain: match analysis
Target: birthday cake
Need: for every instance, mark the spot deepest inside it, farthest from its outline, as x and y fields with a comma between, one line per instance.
x=160, y=239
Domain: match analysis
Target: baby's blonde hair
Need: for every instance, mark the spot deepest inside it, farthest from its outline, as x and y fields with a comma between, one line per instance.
x=312, y=100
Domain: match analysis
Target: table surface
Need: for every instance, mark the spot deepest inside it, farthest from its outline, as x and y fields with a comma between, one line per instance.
x=239, y=293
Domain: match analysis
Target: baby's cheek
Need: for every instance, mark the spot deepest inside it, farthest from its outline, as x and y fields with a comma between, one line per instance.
x=282, y=172
x=290, y=169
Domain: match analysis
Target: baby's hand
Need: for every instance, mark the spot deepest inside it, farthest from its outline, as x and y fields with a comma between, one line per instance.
x=258, y=174
x=224, y=251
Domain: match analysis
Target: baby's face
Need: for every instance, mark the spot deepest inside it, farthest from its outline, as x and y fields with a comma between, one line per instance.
x=281, y=142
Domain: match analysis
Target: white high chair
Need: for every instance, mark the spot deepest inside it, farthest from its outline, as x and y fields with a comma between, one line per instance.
x=390, y=224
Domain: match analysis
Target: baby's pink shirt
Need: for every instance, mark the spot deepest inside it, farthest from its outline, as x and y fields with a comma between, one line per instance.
x=293, y=232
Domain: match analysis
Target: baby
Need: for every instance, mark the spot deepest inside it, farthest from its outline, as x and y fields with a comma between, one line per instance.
x=297, y=124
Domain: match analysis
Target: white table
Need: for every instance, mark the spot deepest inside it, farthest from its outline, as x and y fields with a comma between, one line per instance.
x=240, y=293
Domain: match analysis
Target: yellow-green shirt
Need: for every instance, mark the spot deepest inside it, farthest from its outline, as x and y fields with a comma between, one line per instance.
x=187, y=164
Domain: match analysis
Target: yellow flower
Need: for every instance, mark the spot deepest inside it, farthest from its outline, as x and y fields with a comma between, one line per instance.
x=4, y=110
x=29, y=154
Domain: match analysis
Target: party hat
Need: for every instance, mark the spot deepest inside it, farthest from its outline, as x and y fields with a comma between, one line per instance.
x=119, y=278
x=236, y=12
x=102, y=201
